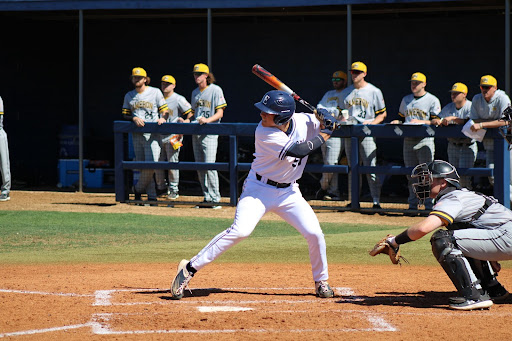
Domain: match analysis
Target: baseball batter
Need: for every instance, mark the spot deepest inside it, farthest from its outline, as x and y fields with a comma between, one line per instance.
x=283, y=141
x=461, y=151
x=178, y=107
x=478, y=234
x=420, y=107
x=333, y=147
x=145, y=104
x=5, y=166
x=486, y=112
x=208, y=105
x=365, y=104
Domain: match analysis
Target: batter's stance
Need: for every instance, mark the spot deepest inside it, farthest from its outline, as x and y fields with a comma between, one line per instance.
x=283, y=141
x=5, y=167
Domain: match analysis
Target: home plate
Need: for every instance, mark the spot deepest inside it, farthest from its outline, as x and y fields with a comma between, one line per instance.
x=221, y=308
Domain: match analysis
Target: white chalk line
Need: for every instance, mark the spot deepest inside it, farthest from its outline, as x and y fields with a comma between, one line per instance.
x=45, y=330
x=10, y=291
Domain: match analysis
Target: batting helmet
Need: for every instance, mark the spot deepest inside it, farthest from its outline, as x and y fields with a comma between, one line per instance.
x=277, y=103
x=424, y=173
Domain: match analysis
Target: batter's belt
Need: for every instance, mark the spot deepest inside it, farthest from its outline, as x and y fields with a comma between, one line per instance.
x=273, y=183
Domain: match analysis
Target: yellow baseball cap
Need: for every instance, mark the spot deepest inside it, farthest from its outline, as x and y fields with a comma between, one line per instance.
x=488, y=80
x=201, y=68
x=169, y=79
x=359, y=66
x=339, y=74
x=459, y=87
x=138, y=71
x=418, y=76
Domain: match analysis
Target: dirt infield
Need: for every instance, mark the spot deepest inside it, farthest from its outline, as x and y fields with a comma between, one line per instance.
x=226, y=301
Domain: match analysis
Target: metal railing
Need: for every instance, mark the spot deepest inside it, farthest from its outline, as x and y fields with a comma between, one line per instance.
x=501, y=171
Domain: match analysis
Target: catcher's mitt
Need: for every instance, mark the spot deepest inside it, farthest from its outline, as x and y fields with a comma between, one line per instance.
x=384, y=247
x=327, y=120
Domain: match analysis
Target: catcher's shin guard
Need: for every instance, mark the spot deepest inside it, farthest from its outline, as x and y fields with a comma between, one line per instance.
x=454, y=264
x=483, y=272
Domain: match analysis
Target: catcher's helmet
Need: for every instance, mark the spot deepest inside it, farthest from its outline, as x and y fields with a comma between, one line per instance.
x=423, y=174
x=277, y=103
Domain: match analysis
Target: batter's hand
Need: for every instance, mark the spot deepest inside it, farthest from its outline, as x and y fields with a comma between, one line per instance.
x=139, y=122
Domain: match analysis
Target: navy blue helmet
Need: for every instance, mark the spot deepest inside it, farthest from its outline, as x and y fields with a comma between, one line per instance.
x=279, y=104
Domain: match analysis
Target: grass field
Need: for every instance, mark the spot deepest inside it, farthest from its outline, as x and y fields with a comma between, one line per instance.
x=63, y=237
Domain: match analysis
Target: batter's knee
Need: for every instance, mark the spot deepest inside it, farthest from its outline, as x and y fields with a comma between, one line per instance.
x=443, y=243
x=239, y=232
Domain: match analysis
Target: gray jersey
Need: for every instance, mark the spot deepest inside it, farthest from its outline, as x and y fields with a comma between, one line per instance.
x=459, y=206
x=332, y=102
x=425, y=107
x=481, y=110
x=365, y=103
x=205, y=103
x=463, y=112
x=146, y=105
x=178, y=106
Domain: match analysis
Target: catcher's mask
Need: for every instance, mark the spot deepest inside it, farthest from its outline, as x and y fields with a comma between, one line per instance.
x=279, y=104
x=506, y=131
x=423, y=174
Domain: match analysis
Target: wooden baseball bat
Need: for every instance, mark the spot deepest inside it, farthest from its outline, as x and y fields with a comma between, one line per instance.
x=273, y=81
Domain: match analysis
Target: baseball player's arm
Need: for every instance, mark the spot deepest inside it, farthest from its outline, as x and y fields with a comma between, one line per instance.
x=219, y=113
x=418, y=230
x=379, y=118
x=303, y=149
x=481, y=124
x=399, y=120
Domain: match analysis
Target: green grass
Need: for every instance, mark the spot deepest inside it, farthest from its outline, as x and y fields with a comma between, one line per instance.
x=56, y=237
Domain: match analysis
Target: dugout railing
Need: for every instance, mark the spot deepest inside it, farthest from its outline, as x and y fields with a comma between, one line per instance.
x=233, y=131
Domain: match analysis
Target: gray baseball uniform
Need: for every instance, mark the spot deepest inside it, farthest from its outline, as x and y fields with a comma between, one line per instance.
x=178, y=107
x=489, y=111
x=489, y=237
x=365, y=104
x=204, y=104
x=333, y=147
x=418, y=150
x=461, y=151
x=5, y=167
x=146, y=105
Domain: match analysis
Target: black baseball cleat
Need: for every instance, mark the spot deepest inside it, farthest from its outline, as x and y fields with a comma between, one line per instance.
x=498, y=293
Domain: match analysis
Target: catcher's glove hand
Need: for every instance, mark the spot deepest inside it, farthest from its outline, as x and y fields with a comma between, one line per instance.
x=385, y=247
x=328, y=123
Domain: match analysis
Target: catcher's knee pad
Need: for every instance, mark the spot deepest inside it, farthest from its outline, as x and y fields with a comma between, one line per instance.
x=442, y=242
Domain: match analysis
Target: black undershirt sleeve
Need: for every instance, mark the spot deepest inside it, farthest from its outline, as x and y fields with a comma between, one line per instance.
x=303, y=149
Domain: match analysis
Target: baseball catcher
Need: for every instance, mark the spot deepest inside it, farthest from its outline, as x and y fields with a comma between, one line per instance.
x=478, y=234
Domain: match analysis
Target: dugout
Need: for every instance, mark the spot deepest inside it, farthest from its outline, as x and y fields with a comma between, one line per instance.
x=68, y=62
